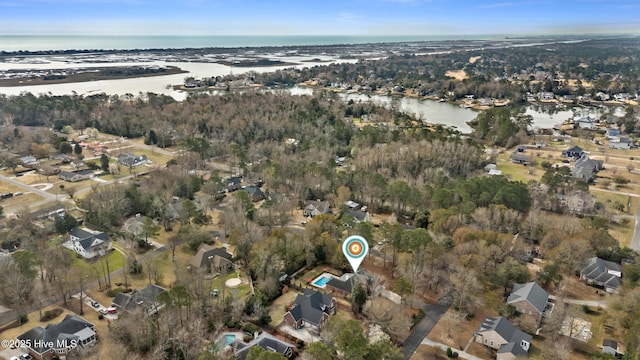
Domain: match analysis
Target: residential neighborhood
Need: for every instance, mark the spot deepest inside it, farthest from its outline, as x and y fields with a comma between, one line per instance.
x=473, y=199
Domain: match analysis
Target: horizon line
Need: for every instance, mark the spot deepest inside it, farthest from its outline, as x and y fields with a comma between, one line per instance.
x=339, y=35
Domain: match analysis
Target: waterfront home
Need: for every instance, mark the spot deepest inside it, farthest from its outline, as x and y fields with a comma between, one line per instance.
x=545, y=96
x=586, y=123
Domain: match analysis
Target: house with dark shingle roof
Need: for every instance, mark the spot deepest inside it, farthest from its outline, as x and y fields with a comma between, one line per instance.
x=255, y=194
x=602, y=273
x=140, y=301
x=610, y=347
x=88, y=243
x=529, y=299
x=520, y=158
x=499, y=334
x=574, y=152
x=310, y=310
x=57, y=340
x=211, y=258
x=344, y=285
x=267, y=342
x=233, y=183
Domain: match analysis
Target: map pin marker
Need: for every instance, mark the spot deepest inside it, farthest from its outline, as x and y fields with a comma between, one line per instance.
x=355, y=248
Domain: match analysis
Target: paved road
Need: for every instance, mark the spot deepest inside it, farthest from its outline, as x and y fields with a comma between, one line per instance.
x=461, y=354
x=614, y=192
x=635, y=241
x=433, y=314
x=29, y=188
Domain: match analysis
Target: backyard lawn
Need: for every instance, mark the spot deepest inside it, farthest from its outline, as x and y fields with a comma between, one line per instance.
x=116, y=261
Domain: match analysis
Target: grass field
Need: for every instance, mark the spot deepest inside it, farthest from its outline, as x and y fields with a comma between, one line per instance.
x=614, y=166
x=116, y=261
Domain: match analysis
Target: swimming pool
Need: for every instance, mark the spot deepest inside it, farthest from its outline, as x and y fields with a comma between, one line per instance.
x=227, y=340
x=322, y=280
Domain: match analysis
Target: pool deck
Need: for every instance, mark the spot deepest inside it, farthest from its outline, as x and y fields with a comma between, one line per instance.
x=323, y=275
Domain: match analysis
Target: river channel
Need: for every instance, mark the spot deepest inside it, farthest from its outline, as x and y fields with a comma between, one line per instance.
x=427, y=110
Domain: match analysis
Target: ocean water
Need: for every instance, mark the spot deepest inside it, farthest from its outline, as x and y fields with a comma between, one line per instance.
x=128, y=42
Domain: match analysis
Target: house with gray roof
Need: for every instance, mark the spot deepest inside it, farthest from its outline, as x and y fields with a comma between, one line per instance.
x=499, y=334
x=57, y=340
x=310, y=310
x=75, y=176
x=140, y=301
x=267, y=342
x=211, y=258
x=622, y=142
x=602, y=273
x=29, y=161
x=132, y=160
x=359, y=215
x=344, y=285
x=88, y=243
x=50, y=212
x=529, y=299
x=585, y=168
x=315, y=208
x=520, y=158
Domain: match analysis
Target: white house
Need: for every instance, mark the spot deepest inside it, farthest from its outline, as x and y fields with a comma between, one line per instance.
x=622, y=97
x=545, y=95
x=621, y=142
x=585, y=123
x=74, y=176
x=88, y=243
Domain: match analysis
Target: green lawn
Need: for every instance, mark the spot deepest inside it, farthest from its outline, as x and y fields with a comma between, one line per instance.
x=116, y=261
x=155, y=157
x=518, y=172
x=609, y=199
x=108, y=177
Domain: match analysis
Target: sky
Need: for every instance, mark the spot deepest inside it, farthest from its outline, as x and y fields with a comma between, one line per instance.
x=317, y=17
